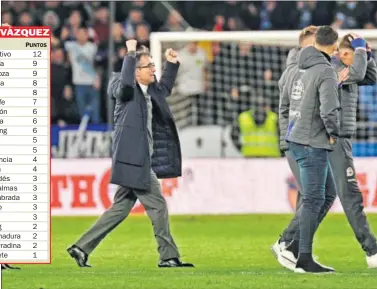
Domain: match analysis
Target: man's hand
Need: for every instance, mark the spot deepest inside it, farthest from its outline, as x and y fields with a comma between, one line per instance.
x=171, y=55
x=131, y=45
x=357, y=41
x=369, y=51
x=343, y=75
x=369, y=48
x=332, y=140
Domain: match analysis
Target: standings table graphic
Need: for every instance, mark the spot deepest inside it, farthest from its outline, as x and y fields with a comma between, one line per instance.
x=25, y=145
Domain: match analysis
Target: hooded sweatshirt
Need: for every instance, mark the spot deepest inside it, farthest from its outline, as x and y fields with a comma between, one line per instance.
x=310, y=100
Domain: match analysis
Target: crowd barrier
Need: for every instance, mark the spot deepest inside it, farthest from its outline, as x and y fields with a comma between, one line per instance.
x=207, y=186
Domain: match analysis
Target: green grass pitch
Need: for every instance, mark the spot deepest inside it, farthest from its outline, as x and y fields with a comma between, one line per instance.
x=228, y=251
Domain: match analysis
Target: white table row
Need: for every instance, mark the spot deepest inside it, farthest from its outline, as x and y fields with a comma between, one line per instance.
x=24, y=207
x=19, y=245
x=24, y=92
x=35, y=197
x=24, y=236
x=24, y=111
x=30, y=178
x=24, y=73
x=17, y=227
x=24, y=159
x=23, y=169
x=24, y=217
x=25, y=121
x=39, y=53
x=36, y=102
x=25, y=63
x=25, y=82
x=24, y=188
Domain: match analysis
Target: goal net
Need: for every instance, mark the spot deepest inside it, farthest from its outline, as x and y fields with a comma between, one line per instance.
x=223, y=74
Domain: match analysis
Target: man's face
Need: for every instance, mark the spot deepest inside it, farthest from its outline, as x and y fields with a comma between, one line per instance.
x=346, y=56
x=58, y=56
x=145, y=70
x=82, y=35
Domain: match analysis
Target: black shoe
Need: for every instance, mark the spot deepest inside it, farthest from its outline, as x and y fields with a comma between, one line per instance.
x=312, y=267
x=293, y=247
x=174, y=262
x=8, y=267
x=79, y=255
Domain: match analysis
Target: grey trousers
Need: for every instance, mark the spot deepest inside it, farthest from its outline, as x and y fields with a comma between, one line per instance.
x=124, y=200
x=347, y=189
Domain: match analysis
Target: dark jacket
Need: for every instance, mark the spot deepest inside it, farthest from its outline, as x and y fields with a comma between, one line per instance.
x=310, y=101
x=362, y=72
x=131, y=164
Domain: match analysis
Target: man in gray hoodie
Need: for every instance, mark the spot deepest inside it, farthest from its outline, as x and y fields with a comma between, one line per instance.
x=310, y=102
x=306, y=38
x=355, y=54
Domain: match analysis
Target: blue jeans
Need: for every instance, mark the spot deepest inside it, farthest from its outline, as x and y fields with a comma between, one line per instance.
x=314, y=168
x=87, y=100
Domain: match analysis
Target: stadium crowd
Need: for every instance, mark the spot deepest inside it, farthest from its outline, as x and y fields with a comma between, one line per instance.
x=81, y=31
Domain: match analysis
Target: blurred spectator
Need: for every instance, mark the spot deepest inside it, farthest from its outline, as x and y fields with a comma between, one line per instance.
x=250, y=15
x=219, y=23
x=17, y=7
x=134, y=18
x=276, y=15
x=270, y=90
x=351, y=14
x=51, y=19
x=314, y=13
x=305, y=11
x=25, y=19
x=142, y=34
x=84, y=76
x=191, y=77
x=101, y=24
x=64, y=109
x=174, y=22
x=7, y=17
x=70, y=29
x=234, y=24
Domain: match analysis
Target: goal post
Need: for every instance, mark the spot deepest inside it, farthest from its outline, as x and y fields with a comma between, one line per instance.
x=285, y=38
x=240, y=74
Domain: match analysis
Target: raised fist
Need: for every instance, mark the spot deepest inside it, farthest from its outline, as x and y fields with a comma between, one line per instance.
x=171, y=55
x=131, y=45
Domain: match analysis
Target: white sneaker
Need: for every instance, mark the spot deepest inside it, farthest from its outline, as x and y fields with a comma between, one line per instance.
x=287, y=259
x=372, y=261
x=276, y=248
x=284, y=257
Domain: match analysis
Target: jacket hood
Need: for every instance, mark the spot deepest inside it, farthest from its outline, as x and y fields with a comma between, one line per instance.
x=310, y=56
x=292, y=56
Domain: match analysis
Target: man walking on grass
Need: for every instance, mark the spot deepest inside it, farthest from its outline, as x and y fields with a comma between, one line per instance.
x=145, y=147
x=310, y=104
x=355, y=55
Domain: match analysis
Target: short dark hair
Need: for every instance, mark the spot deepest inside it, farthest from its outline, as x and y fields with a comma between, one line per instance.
x=326, y=36
x=306, y=32
x=345, y=42
x=140, y=52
